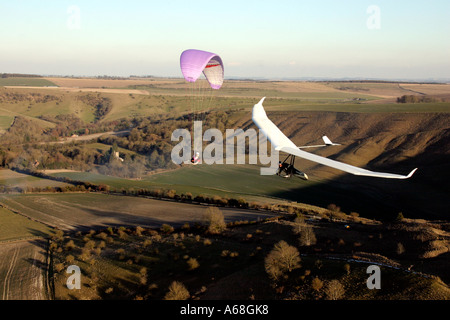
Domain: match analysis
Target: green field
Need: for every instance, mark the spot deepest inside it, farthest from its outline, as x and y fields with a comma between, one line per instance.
x=24, y=81
x=5, y=122
x=241, y=181
x=359, y=107
x=14, y=226
x=203, y=180
x=9, y=178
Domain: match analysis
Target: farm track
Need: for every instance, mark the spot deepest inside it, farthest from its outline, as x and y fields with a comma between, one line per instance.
x=22, y=270
x=7, y=280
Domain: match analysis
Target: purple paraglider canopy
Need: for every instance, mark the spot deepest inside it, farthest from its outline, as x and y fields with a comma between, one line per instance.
x=194, y=62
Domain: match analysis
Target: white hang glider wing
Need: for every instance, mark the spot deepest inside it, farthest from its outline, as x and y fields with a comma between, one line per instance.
x=284, y=144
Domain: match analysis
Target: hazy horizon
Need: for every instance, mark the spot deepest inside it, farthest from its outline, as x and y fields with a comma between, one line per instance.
x=406, y=40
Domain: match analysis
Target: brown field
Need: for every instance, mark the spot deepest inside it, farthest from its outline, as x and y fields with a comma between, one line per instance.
x=75, y=89
x=98, y=83
x=23, y=269
x=87, y=211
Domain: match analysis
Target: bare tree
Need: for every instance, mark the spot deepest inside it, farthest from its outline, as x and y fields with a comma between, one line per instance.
x=334, y=290
x=283, y=258
x=306, y=233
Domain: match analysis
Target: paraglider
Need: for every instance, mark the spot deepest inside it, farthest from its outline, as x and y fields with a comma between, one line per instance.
x=195, y=63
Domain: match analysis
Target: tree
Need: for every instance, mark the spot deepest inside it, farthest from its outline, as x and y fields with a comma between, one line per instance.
x=283, y=258
x=334, y=290
x=177, y=291
x=214, y=220
x=400, y=217
x=347, y=268
x=306, y=232
x=316, y=284
x=400, y=248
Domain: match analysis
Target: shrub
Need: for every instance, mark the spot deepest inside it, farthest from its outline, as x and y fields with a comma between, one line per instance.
x=122, y=234
x=58, y=236
x=146, y=243
x=102, y=235
x=53, y=246
x=177, y=291
x=101, y=245
x=347, y=268
x=165, y=228
x=89, y=245
x=139, y=231
x=70, y=245
x=400, y=217
x=316, y=284
x=59, y=267
x=70, y=258
x=333, y=208
x=400, y=248
x=192, y=263
x=121, y=253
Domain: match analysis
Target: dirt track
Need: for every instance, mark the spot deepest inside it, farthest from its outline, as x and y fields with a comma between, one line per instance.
x=91, y=136
x=22, y=271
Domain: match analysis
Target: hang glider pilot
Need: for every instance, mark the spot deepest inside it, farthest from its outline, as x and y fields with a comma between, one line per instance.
x=289, y=170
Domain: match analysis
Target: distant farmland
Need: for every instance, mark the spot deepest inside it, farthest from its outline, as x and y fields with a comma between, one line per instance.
x=29, y=82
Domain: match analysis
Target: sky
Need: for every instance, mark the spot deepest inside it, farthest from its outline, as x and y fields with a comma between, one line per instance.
x=373, y=39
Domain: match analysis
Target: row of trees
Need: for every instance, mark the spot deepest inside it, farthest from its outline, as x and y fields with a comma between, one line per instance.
x=418, y=99
x=15, y=97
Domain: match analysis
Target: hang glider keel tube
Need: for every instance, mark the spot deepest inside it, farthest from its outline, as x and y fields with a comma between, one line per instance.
x=284, y=144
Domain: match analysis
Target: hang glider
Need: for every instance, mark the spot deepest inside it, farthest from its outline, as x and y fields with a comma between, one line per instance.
x=282, y=143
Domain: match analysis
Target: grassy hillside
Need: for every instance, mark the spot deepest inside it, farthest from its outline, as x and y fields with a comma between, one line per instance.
x=14, y=226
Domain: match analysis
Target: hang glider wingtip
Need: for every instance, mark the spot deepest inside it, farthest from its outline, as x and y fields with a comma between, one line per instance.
x=411, y=173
